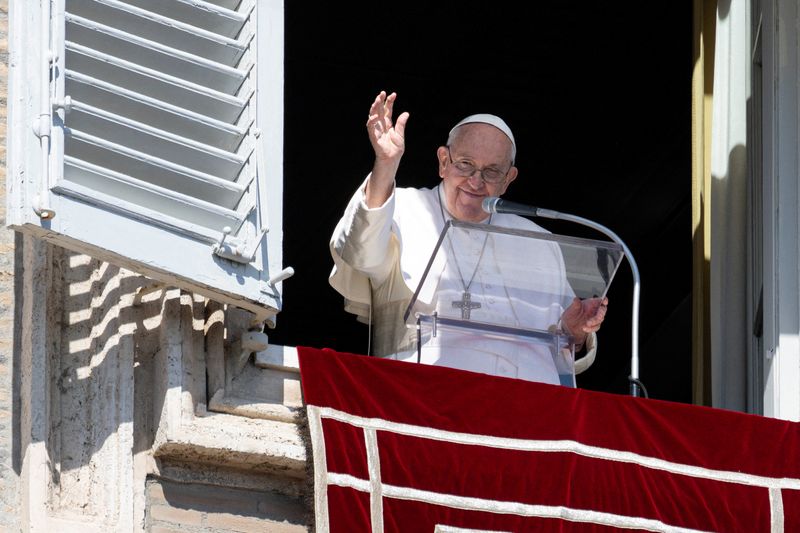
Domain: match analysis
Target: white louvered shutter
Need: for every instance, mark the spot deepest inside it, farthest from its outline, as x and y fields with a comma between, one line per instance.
x=164, y=149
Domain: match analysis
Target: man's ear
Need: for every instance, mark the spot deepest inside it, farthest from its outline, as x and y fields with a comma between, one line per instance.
x=443, y=156
x=511, y=176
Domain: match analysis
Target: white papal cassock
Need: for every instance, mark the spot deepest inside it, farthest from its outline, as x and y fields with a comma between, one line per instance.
x=380, y=256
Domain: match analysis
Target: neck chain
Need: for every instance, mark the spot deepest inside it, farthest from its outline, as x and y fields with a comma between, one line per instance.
x=465, y=303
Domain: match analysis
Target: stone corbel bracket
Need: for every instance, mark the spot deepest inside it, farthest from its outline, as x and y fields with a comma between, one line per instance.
x=235, y=427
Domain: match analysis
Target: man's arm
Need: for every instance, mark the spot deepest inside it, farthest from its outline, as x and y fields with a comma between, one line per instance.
x=361, y=242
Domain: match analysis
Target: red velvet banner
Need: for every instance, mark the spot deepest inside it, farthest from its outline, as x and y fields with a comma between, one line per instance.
x=400, y=447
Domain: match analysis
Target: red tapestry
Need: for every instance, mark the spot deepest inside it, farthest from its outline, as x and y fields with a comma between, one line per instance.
x=400, y=447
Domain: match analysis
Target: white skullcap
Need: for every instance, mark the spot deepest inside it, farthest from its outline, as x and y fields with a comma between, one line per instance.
x=493, y=120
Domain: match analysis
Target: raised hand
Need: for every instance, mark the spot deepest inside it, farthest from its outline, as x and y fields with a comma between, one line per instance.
x=388, y=139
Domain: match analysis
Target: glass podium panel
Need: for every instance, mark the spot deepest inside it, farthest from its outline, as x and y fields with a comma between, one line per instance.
x=494, y=297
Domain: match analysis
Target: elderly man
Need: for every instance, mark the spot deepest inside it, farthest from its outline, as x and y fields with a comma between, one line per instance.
x=383, y=242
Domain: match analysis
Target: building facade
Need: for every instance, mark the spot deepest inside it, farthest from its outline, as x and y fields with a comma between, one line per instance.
x=138, y=388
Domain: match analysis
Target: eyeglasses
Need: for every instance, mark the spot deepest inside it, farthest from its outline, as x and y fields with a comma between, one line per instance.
x=465, y=169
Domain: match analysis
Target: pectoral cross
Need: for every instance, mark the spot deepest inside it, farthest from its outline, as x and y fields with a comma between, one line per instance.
x=466, y=305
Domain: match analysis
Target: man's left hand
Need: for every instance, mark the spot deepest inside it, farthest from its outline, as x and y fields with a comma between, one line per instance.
x=583, y=317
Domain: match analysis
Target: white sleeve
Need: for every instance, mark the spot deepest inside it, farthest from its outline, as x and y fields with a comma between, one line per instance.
x=582, y=364
x=360, y=247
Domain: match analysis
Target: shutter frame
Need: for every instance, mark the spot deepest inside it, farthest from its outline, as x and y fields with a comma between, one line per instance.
x=140, y=221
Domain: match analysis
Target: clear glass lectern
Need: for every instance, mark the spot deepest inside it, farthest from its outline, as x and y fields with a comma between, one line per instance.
x=491, y=299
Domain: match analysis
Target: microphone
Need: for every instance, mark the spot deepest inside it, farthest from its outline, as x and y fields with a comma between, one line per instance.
x=493, y=204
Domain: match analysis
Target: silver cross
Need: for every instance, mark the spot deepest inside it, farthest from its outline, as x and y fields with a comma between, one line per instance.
x=466, y=305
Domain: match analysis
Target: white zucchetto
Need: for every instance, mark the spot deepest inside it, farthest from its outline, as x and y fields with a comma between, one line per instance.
x=492, y=120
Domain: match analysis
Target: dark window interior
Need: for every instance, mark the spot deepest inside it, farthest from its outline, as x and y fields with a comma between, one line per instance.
x=598, y=97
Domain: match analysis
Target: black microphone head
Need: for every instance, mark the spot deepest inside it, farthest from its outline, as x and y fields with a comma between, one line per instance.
x=490, y=204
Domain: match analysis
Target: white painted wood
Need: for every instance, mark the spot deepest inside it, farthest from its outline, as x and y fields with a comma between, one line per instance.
x=727, y=291
x=154, y=55
x=158, y=85
x=229, y=4
x=88, y=180
x=770, y=192
x=144, y=165
x=781, y=108
x=159, y=114
x=787, y=385
x=206, y=15
x=756, y=220
x=155, y=27
x=151, y=251
x=163, y=121
x=140, y=137
x=269, y=75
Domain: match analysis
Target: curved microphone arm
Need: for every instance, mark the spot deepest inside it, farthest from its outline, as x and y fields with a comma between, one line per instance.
x=497, y=205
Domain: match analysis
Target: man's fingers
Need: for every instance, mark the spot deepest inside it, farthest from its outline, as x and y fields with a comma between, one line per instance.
x=400, y=125
x=376, y=110
x=377, y=104
x=389, y=106
x=380, y=115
